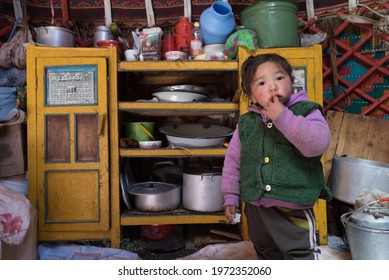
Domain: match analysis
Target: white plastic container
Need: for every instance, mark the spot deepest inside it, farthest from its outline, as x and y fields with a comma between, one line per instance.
x=131, y=54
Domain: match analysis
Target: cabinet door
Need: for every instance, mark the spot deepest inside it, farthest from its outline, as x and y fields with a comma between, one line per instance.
x=72, y=144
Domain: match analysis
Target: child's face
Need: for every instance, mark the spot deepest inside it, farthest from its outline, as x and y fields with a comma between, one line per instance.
x=270, y=82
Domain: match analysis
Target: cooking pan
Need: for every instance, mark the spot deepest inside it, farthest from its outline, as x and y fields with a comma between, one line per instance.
x=155, y=196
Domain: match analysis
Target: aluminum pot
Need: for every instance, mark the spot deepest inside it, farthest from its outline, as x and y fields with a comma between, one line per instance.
x=155, y=196
x=201, y=191
x=55, y=36
x=349, y=176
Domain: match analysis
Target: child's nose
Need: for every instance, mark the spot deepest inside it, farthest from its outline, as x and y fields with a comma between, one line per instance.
x=273, y=87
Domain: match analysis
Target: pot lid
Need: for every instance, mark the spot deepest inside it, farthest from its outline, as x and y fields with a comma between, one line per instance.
x=204, y=170
x=151, y=188
x=374, y=217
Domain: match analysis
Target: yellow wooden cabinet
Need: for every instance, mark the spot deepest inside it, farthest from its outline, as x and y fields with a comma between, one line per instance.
x=75, y=155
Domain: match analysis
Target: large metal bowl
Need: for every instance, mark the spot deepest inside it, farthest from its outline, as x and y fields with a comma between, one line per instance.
x=55, y=36
x=197, y=135
x=186, y=88
x=179, y=96
x=349, y=176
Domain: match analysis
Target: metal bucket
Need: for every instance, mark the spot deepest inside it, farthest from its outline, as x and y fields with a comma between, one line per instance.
x=366, y=243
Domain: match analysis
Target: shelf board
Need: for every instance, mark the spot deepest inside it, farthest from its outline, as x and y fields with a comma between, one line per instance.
x=180, y=217
x=179, y=109
x=204, y=65
x=173, y=152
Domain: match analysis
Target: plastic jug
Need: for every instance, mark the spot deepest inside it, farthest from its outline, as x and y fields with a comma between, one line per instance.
x=217, y=23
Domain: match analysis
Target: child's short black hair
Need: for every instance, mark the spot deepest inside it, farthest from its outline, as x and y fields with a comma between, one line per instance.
x=250, y=66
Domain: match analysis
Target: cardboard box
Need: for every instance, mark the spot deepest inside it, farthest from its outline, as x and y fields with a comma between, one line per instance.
x=150, y=43
x=12, y=150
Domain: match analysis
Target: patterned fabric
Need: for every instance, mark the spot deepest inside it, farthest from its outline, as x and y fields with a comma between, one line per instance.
x=14, y=215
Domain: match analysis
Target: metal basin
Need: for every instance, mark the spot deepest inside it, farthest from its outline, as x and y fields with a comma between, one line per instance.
x=55, y=36
x=349, y=176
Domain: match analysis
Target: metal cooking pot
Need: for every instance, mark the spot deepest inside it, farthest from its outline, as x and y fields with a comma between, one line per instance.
x=367, y=231
x=349, y=176
x=155, y=196
x=55, y=36
x=102, y=33
x=201, y=191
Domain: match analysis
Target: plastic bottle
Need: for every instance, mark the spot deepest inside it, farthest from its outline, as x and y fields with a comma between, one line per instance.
x=183, y=33
x=168, y=42
x=196, y=44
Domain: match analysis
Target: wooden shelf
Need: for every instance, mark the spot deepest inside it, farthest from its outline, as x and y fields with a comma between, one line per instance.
x=166, y=66
x=179, y=109
x=180, y=216
x=172, y=152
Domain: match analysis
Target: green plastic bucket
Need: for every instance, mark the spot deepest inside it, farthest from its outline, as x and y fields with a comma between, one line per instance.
x=275, y=23
x=134, y=131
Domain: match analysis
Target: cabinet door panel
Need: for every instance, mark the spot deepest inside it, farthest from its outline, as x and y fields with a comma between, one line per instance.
x=72, y=139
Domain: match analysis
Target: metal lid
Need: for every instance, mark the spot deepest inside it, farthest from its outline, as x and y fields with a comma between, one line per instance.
x=150, y=188
x=371, y=217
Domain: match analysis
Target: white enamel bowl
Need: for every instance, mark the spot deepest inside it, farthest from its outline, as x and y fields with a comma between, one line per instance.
x=195, y=135
x=150, y=144
x=179, y=96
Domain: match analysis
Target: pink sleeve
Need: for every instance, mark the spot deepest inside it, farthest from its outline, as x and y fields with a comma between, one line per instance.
x=310, y=134
x=231, y=172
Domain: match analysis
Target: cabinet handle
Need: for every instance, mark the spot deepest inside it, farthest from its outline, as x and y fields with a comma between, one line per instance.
x=100, y=128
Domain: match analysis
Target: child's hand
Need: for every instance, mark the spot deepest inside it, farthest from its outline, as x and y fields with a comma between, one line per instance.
x=273, y=107
x=230, y=212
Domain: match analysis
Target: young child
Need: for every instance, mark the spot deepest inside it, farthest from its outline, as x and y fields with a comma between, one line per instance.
x=273, y=162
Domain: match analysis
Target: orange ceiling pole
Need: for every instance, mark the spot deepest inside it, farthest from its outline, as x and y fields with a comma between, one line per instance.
x=65, y=12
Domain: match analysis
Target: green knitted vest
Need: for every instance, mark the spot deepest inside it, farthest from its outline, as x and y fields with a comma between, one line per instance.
x=272, y=167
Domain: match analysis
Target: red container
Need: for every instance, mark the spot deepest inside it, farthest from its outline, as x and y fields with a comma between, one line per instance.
x=155, y=232
x=169, y=43
x=183, y=33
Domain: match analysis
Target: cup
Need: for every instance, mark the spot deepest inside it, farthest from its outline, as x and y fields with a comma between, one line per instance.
x=134, y=131
x=131, y=54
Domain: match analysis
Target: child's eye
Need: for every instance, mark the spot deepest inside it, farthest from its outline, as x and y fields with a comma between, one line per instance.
x=280, y=78
x=261, y=83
